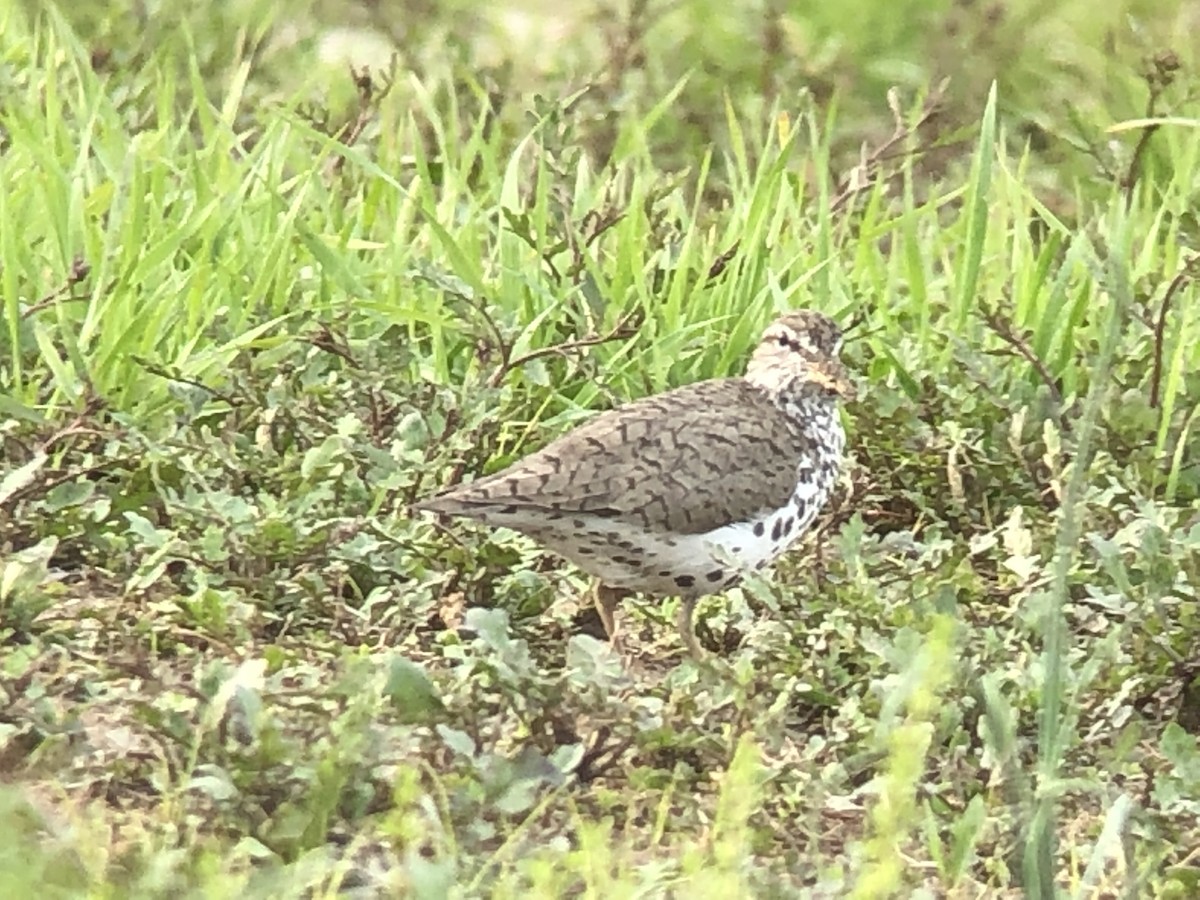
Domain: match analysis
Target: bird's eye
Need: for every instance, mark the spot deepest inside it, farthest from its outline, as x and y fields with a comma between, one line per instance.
x=785, y=341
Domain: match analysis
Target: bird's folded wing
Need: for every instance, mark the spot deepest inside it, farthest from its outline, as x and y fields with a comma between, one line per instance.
x=689, y=460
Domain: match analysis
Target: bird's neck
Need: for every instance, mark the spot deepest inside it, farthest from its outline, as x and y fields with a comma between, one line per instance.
x=810, y=406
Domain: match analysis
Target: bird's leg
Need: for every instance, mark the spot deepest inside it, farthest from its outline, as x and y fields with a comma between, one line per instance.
x=606, y=599
x=683, y=621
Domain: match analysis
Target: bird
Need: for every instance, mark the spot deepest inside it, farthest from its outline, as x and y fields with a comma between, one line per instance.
x=682, y=493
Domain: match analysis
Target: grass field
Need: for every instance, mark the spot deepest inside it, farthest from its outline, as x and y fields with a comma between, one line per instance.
x=271, y=271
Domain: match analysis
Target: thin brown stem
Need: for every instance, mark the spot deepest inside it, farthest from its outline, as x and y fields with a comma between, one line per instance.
x=623, y=329
x=1159, y=76
x=866, y=173
x=369, y=96
x=162, y=372
x=1190, y=269
x=1006, y=332
x=80, y=269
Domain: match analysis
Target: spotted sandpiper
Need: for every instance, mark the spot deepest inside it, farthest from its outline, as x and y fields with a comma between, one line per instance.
x=681, y=493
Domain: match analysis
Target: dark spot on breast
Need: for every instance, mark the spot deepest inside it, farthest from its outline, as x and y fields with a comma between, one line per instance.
x=586, y=551
x=579, y=523
x=510, y=510
x=685, y=581
x=664, y=573
x=777, y=530
x=735, y=550
x=715, y=575
x=801, y=507
x=788, y=524
x=759, y=528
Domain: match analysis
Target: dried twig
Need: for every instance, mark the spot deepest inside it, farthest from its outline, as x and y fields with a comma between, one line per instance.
x=78, y=427
x=593, y=226
x=1159, y=76
x=864, y=175
x=162, y=372
x=722, y=262
x=480, y=306
x=80, y=269
x=626, y=327
x=857, y=321
x=1191, y=268
x=324, y=338
x=368, y=103
x=1005, y=330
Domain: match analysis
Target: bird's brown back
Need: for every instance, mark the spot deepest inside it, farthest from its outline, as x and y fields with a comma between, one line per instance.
x=686, y=461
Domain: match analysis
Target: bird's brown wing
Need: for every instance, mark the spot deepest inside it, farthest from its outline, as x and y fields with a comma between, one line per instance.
x=689, y=460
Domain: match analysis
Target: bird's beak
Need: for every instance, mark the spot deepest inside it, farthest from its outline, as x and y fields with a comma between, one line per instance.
x=834, y=377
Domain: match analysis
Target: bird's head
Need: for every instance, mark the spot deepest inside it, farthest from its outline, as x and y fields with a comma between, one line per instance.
x=802, y=347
